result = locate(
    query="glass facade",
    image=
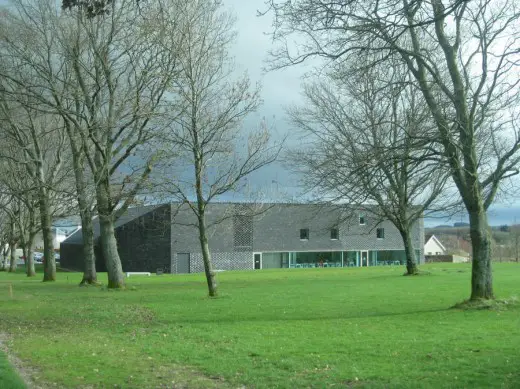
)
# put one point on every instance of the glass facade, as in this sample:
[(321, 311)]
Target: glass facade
[(308, 259), (315, 259)]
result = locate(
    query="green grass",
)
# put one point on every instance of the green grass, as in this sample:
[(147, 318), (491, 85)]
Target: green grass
[(290, 328), (8, 378)]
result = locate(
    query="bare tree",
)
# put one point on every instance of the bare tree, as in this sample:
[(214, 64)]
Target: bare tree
[(4, 236), (21, 206), (212, 156), (4, 246), (367, 146), (515, 229), (462, 55), (13, 244), (106, 77), (11, 237), (38, 143)]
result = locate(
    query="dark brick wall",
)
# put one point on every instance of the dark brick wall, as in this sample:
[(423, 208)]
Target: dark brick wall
[(71, 257), (144, 243)]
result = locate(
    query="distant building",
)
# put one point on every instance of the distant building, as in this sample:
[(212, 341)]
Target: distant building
[(434, 251), (433, 246), (59, 234), (250, 236)]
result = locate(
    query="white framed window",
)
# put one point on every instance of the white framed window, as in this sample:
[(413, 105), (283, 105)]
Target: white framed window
[(334, 233), (380, 233), (304, 234), (362, 220)]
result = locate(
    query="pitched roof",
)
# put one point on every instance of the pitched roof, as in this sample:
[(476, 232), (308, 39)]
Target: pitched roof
[(427, 238), (128, 216)]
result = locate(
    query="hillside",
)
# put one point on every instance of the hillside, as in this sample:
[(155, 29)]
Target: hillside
[(456, 239)]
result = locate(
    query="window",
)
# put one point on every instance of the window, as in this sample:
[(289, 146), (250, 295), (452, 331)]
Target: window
[(304, 234), (361, 219), (380, 233), (334, 233)]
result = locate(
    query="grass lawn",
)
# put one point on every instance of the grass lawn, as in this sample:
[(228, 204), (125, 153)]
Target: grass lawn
[(287, 328), (8, 378)]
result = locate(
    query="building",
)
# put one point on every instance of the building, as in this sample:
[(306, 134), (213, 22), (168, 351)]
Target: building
[(250, 236), (433, 246), (59, 234)]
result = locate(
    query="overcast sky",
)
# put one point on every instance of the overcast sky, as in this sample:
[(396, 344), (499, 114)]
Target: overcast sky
[(279, 89), (282, 88)]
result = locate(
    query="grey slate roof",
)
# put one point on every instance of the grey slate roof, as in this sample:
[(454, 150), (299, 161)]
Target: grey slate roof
[(128, 216)]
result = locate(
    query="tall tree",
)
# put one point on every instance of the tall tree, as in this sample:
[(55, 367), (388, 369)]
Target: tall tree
[(22, 206), (366, 144), (4, 237), (462, 55), (106, 77), (212, 155), (38, 143)]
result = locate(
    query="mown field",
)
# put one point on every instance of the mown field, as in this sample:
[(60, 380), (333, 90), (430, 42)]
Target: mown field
[(288, 328)]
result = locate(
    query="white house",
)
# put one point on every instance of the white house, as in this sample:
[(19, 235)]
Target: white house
[(433, 246)]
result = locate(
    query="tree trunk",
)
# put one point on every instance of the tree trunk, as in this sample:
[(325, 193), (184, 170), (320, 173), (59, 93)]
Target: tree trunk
[(206, 257), (109, 248), (89, 273), (29, 258), (12, 264), (87, 229), (49, 262), (3, 257), (24, 255), (411, 263), (481, 273), (517, 241), (203, 237), (108, 238)]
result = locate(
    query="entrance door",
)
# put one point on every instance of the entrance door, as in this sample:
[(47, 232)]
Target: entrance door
[(258, 260), (364, 258), (183, 263)]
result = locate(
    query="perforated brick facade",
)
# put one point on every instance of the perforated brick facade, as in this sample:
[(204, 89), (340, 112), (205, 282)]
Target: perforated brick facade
[(223, 261)]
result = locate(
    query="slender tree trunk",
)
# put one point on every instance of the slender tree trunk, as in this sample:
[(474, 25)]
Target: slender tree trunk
[(109, 249), (49, 265), (203, 237), (481, 273), (3, 256), (517, 241), (108, 238), (89, 273), (29, 258), (206, 257), (411, 263), (24, 250), (12, 264), (87, 228), (24, 255)]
